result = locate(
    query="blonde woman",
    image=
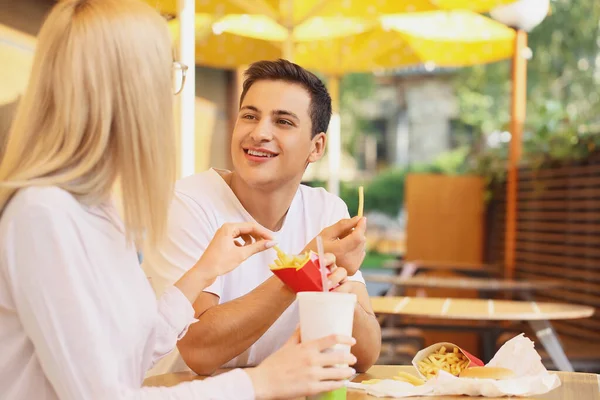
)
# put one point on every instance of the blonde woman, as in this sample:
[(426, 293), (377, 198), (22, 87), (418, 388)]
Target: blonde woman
[(78, 319)]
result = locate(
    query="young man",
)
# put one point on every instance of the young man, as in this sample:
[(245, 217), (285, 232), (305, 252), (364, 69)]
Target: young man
[(249, 313)]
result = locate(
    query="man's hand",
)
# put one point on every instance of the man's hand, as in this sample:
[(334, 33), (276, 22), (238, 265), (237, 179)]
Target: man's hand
[(366, 328), (346, 240), (347, 286)]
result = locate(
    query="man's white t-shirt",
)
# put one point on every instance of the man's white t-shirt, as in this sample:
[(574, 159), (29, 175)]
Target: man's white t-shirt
[(202, 204)]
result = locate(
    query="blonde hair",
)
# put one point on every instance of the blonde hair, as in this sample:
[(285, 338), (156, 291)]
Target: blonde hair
[(98, 112)]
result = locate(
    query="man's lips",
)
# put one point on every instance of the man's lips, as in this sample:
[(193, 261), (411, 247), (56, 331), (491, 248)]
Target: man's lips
[(260, 153)]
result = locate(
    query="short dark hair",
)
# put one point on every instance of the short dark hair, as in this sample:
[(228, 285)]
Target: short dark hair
[(284, 70)]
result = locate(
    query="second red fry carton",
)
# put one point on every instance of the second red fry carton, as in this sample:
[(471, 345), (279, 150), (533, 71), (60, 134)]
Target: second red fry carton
[(430, 358)]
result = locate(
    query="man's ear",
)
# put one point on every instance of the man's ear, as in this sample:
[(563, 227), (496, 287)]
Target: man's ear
[(318, 147)]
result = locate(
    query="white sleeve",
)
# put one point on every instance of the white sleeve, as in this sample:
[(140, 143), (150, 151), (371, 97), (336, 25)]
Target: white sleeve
[(60, 306), (190, 230), (175, 314), (339, 210)]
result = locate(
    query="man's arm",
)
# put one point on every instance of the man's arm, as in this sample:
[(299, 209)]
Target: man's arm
[(225, 331), (346, 239), (366, 329)]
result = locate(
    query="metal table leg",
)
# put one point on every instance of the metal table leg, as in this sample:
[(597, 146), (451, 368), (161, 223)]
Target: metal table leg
[(488, 345), (547, 336)]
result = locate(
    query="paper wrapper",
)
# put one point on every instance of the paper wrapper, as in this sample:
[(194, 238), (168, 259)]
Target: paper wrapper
[(518, 355), (306, 278)]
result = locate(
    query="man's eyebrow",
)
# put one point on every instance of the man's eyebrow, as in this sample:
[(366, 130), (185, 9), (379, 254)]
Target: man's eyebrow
[(251, 108), (285, 112)]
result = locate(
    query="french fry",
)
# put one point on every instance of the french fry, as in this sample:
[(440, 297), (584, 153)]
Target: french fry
[(371, 381), (285, 261), (281, 255), (410, 378), (361, 201), (452, 362)]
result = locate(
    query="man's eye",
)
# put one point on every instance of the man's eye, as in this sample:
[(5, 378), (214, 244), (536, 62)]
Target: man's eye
[(285, 122), (249, 116)]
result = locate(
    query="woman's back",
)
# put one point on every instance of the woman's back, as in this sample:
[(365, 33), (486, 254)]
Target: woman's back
[(67, 274)]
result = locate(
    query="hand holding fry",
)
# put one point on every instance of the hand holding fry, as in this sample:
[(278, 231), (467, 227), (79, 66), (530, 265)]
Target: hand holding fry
[(346, 239)]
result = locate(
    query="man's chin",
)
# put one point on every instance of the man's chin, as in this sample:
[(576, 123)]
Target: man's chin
[(262, 182)]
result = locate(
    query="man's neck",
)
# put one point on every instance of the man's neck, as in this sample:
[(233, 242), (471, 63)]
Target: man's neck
[(268, 207)]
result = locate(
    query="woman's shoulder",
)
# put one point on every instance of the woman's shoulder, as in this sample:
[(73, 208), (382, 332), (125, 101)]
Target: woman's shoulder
[(51, 197), (50, 200)]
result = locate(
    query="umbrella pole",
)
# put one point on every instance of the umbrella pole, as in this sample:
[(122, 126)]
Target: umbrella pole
[(518, 110), (334, 142), (288, 47), (187, 44)]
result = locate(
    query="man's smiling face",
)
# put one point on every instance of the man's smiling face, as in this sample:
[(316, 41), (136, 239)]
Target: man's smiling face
[(271, 142)]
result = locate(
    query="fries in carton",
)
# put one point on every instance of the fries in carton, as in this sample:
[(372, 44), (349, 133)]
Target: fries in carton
[(300, 273), (444, 356), (529, 376)]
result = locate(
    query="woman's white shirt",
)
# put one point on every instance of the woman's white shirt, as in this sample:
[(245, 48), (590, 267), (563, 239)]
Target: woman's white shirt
[(78, 317)]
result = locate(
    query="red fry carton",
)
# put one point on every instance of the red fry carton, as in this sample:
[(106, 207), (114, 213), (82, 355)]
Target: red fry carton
[(303, 278), (428, 351)]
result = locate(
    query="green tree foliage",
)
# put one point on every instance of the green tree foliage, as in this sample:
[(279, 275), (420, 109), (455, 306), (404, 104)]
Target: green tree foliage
[(353, 89), (563, 87)]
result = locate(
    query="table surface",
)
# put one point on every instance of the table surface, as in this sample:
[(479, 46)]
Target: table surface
[(575, 386), (478, 309), (464, 283)]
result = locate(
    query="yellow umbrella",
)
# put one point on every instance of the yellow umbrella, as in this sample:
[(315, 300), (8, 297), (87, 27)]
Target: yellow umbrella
[(336, 46), (289, 22)]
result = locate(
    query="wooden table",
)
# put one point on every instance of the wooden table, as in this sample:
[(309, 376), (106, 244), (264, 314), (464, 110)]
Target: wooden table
[(575, 386), (481, 284), (537, 314), (478, 309)]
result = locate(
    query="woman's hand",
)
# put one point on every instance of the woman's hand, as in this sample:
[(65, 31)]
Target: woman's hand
[(302, 369), (231, 245)]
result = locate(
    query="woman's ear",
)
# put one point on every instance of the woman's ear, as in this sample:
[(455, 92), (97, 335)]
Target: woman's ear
[(318, 147)]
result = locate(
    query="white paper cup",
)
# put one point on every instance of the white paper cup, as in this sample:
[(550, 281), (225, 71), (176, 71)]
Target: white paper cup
[(326, 313)]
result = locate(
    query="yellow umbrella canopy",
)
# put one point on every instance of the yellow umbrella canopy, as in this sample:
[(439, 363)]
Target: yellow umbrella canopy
[(294, 12), (336, 46)]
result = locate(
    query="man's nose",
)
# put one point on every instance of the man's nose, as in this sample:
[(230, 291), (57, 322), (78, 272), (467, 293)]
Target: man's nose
[(263, 131)]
